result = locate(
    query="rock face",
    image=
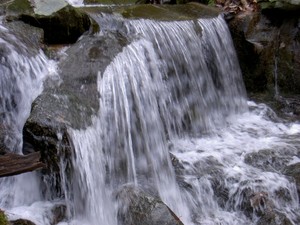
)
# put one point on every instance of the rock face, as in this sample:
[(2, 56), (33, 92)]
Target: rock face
[(138, 207), (268, 47)]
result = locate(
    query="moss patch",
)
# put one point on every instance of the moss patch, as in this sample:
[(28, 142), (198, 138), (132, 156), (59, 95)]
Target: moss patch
[(20, 6), (170, 12), (109, 2), (3, 218)]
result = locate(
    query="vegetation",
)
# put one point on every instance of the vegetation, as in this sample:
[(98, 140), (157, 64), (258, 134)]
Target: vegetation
[(3, 218)]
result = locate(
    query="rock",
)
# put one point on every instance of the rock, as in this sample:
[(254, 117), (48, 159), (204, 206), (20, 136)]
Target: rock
[(21, 222), (69, 102), (280, 4), (169, 12), (211, 168), (48, 7), (207, 167), (109, 2), (269, 160), (294, 172), (268, 47), (18, 7), (62, 27), (61, 23), (59, 213), (31, 36), (138, 207), (274, 217)]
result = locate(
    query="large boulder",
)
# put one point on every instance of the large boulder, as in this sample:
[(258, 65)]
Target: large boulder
[(139, 207), (69, 101)]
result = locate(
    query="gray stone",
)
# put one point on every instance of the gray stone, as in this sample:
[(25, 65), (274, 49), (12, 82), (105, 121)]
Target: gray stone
[(139, 207)]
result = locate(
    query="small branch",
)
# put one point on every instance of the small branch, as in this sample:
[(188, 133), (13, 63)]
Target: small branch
[(12, 164)]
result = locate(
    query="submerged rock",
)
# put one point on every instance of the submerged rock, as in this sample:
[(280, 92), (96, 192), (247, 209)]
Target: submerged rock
[(139, 207), (269, 160), (294, 172), (274, 217)]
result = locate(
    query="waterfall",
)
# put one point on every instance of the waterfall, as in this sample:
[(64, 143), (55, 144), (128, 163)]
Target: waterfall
[(175, 91), (23, 71), (173, 79)]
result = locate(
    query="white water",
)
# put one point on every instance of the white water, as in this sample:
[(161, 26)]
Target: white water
[(176, 87), (22, 76)]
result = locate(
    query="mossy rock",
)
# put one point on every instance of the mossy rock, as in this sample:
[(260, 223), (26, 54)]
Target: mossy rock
[(280, 4), (62, 27), (170, 12), (3, 218), (109, 2), (61, 23), (20, 7), (21, 222)]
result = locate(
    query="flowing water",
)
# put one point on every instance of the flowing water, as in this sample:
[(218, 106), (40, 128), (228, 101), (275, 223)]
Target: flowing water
[(22, 72), (176, 88)]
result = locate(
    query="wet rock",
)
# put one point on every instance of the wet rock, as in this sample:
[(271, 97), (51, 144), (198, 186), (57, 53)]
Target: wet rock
[(280, 4), (59, 213), (69, 101), (211, 168), (62, 27), (31, 36), (274, 217), (294, 172), (138, 207), (268, 159), (61, 23), (268, 47), (169, 12), (109, 2), (21, 222)]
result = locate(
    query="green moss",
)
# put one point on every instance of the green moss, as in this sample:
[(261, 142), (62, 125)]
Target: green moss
[(20, 6), (188, 11), (3, 218), (109, 2)]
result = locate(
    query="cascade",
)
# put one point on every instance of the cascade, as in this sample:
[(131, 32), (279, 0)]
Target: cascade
[(23, 71), (175, 88)]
